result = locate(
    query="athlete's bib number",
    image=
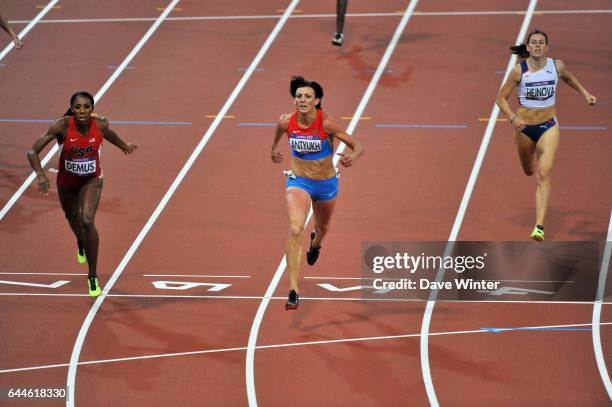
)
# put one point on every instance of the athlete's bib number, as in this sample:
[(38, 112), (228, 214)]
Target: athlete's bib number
[(84, 167)]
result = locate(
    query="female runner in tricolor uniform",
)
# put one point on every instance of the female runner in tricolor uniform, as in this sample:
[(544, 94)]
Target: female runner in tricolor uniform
[(313, 178), (79, 135)]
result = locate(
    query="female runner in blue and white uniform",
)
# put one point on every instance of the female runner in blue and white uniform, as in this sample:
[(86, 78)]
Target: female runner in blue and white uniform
[(312, 179), (536, 131)]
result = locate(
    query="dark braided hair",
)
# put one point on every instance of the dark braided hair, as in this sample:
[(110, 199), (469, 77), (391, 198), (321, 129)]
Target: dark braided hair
[(521, 50), (300, 82), (73, 99)]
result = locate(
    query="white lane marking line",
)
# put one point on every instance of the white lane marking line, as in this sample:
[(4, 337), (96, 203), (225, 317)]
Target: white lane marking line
[(337, 278), (276, 16), (373, 278), (56, 284), (76, 350), (288, 345), (597, 347), (26, 30), (253, 297), (43, 274), (193, 275), (250, 354), (424, 344)]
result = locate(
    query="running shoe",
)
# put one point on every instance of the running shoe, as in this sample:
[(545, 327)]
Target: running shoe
[(81, 254), (94, 287), (313, 252), (538, 233), (293, 301), (337, 40)]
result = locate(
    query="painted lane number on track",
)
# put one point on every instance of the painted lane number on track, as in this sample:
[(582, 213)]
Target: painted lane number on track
[(333, 288), (186, 285)]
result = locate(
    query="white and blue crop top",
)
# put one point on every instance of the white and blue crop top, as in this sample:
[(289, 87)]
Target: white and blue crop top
[(537, 90)]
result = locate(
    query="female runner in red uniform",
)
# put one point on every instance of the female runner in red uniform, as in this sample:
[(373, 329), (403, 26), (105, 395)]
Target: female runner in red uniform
[(79, 180), (312, 179)]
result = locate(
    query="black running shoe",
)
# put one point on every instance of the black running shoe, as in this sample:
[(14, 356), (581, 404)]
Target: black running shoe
[(293, 301), (313, 252), (337, 40)]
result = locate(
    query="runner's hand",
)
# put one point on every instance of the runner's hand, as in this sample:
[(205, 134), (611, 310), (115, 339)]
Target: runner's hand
[(130, 148), (346, 160), (591, 100), (18, 43), (276, 156), (518, 123), (44, 185)]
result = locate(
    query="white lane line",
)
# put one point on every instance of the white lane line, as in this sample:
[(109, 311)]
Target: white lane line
[(347, 278), (373, 278), (292, 344), (250, 354), (603, 275), (534, 281), (193, 275), (26, 30), (76, 350), (253, 297), (179, 178), (43, 274), (56, 284), (324, 15), (424, 344)]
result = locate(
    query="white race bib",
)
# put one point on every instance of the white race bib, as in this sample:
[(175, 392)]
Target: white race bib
[(305, 144), (85, 166)]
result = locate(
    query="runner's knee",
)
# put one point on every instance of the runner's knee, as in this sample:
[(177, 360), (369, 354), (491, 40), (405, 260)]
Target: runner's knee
[(88, 222), (296, 231), (544, 174)]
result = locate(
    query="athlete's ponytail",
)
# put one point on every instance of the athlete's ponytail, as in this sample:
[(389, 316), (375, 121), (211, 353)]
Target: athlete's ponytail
[(84, 94), (521, 50), (300, 82)]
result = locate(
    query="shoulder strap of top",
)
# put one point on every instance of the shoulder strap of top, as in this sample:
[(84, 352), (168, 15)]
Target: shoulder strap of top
[(554, 64), (320, 122), (292, 122), (95, 128)]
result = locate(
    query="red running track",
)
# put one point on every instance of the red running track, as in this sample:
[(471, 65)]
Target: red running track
[(227, 218)]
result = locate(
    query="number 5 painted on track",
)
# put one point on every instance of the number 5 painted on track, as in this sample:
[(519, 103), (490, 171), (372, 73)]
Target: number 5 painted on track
[(186, 285)]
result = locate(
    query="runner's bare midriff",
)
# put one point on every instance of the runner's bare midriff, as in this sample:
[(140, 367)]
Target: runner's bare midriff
[(313, 169), (536, 116)]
